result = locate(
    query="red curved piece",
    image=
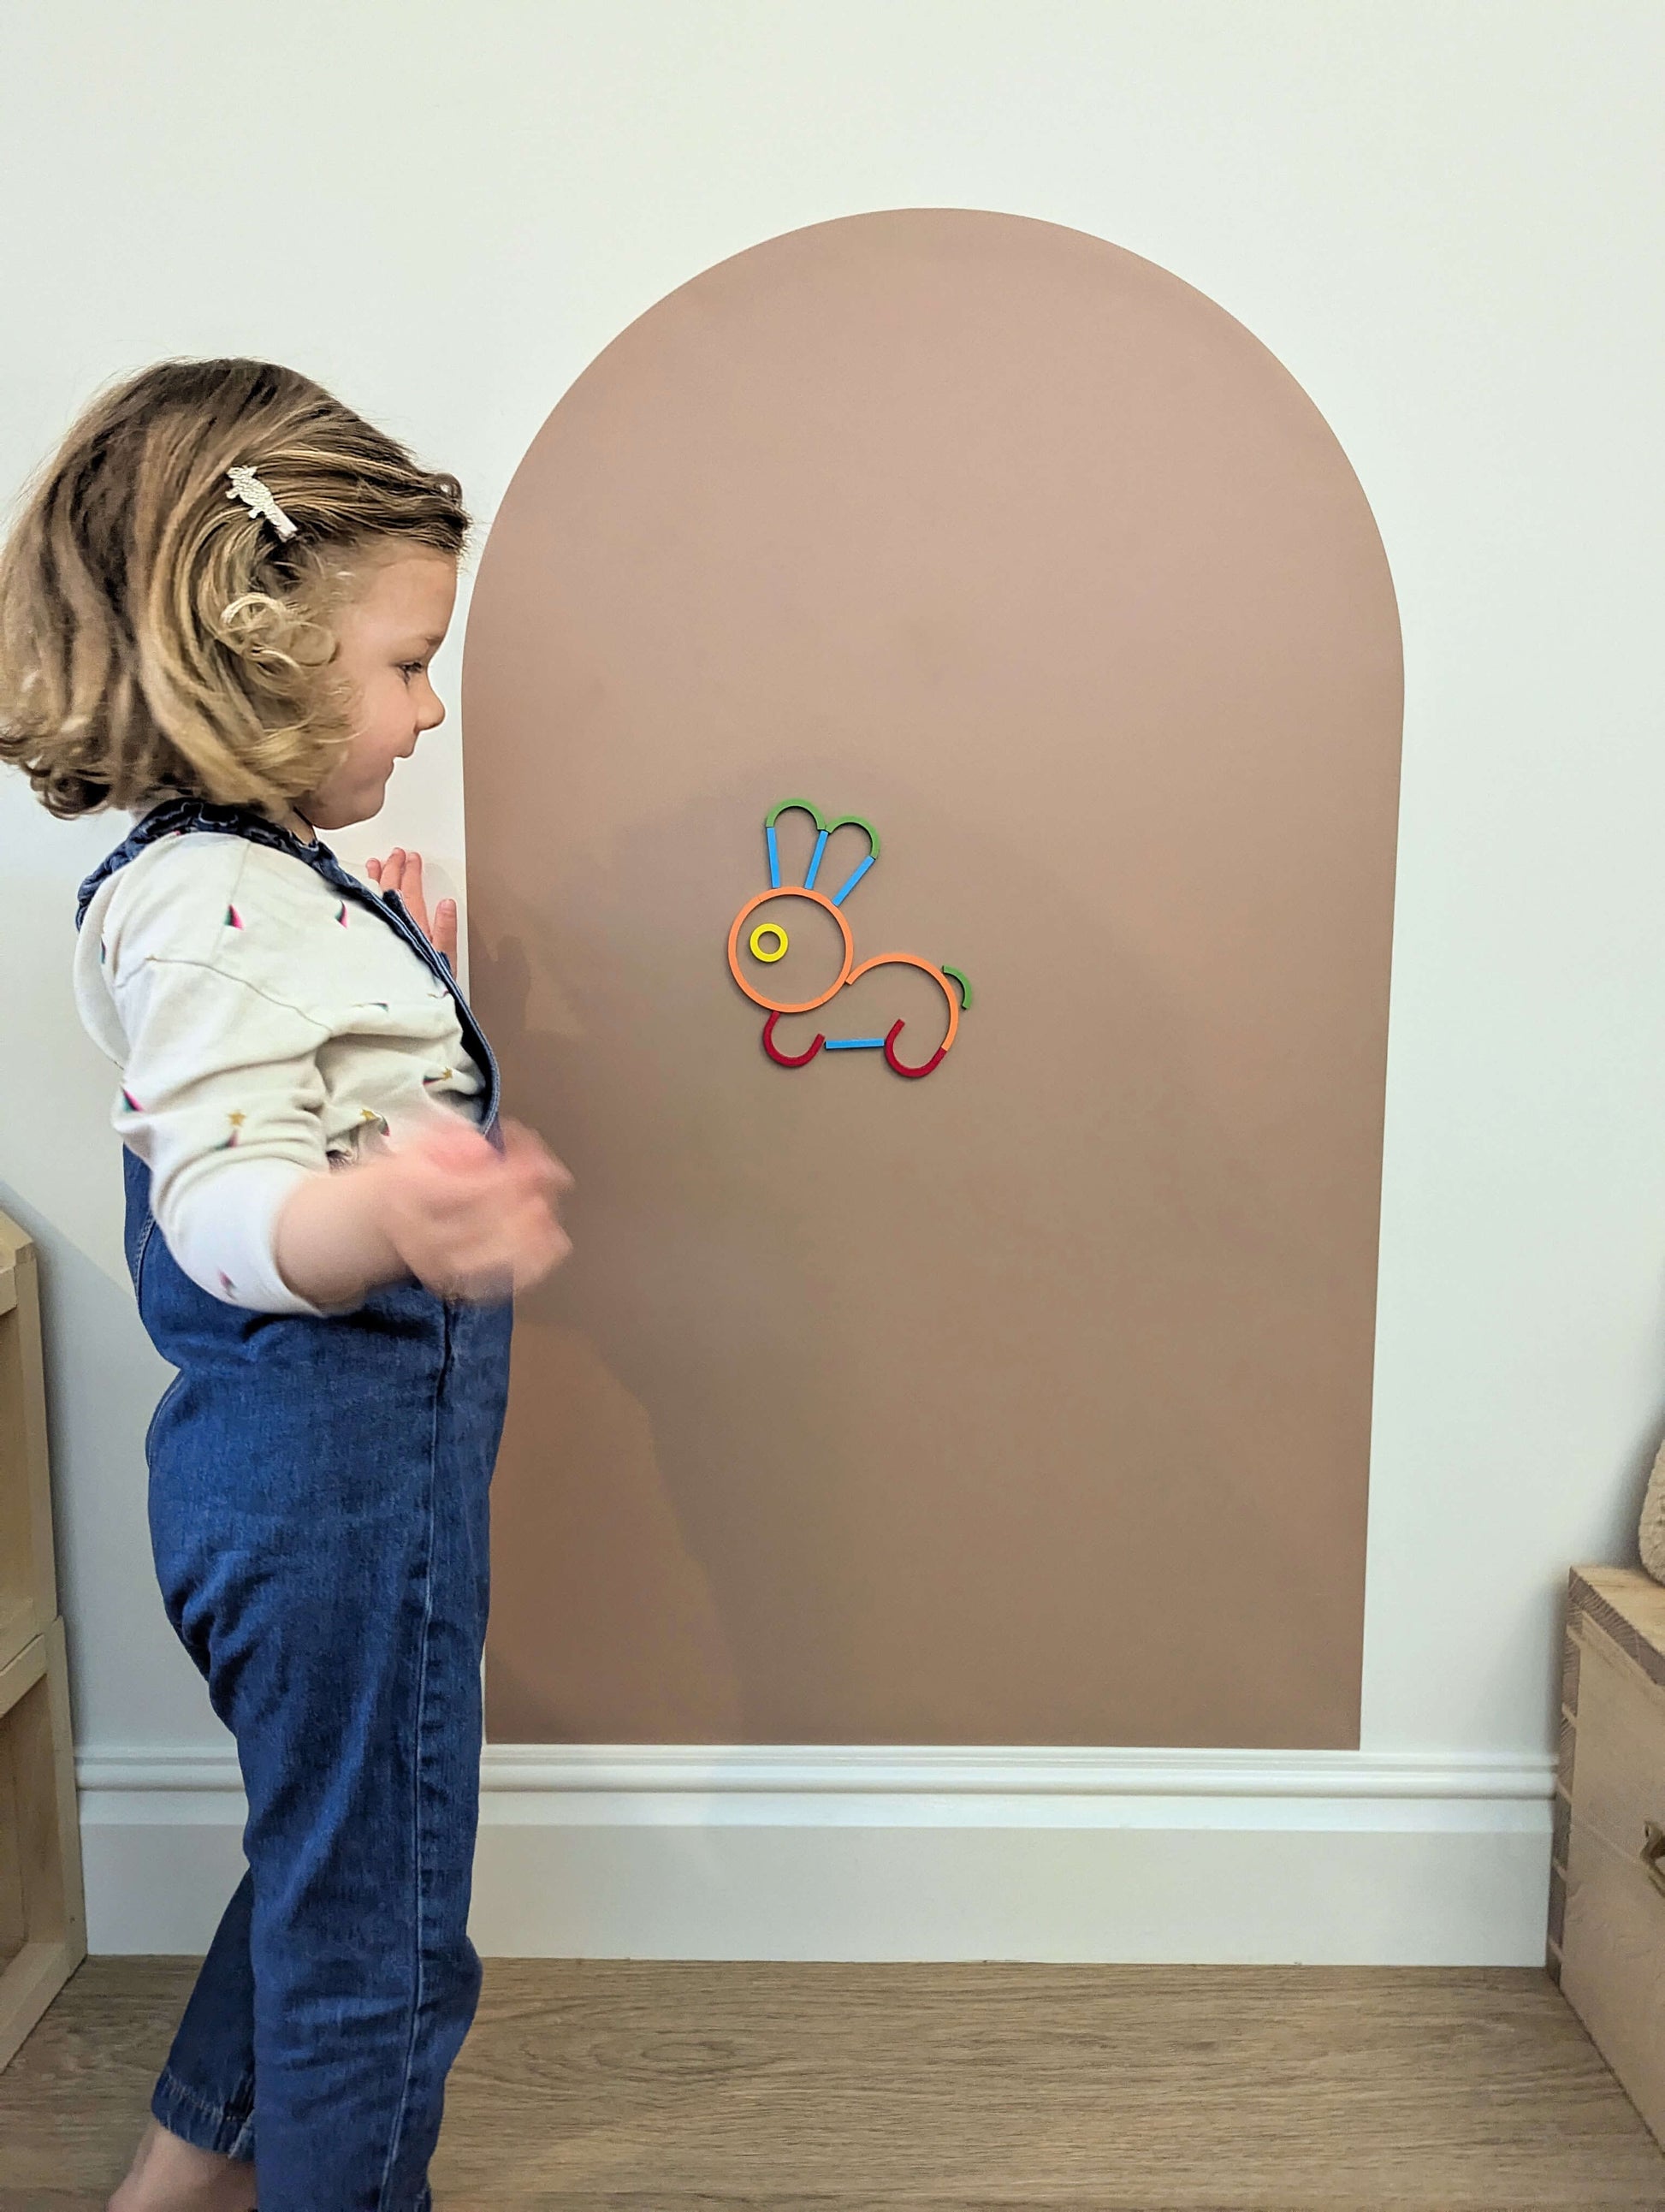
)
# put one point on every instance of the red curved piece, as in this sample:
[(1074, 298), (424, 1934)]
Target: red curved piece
[(801, 1059), (901, 1067)]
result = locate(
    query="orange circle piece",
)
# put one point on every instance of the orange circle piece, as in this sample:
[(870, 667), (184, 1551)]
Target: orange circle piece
[(774, 1005)]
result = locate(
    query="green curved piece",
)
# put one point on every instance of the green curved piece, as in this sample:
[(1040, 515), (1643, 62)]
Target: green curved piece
[(803, 806), (965, 987), (854, 822)]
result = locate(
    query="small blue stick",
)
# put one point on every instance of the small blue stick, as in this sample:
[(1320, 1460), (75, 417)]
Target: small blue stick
[(853, 1044), (815, 861), (839, 897), (774, 857)]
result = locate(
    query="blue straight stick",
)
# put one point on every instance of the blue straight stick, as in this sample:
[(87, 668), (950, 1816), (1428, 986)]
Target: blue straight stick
[(853, 1044), (815, 861), (774, 857), (854, 878)]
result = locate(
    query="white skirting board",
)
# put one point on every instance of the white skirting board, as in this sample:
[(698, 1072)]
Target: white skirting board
[(657, 1851)]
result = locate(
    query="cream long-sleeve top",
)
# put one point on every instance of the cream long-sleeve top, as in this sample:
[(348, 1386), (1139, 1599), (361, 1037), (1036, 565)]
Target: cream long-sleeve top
[(266, 1029)]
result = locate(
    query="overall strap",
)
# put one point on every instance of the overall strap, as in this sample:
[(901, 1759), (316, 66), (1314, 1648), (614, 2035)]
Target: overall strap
[(172, 818), (180, 818)]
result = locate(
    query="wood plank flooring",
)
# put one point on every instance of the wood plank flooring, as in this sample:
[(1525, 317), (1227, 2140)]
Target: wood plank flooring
[(648, 2088)]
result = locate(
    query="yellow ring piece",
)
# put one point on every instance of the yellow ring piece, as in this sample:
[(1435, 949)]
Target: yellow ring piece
[(769, 929)]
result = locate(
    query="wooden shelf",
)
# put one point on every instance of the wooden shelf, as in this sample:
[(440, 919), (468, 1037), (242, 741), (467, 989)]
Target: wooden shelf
[(1607, 1913), (43, 1928), (43, 1920), (28, 1587)]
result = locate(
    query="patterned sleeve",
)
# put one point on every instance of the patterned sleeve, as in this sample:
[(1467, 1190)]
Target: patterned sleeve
[(220, 1096)]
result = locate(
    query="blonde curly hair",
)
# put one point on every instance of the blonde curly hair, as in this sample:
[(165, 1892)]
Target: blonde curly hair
[(155, 635)]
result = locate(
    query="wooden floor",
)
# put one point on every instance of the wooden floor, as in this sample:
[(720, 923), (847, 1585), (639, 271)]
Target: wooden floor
[(830, 2088)]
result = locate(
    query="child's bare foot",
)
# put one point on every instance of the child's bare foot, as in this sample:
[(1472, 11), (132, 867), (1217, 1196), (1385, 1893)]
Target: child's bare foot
[(168, 2175)]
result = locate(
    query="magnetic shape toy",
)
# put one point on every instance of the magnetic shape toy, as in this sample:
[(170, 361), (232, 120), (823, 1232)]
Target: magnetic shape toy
[(952, 999), (901, 1067), (786, 1059), (854, 822), (775, 1006), (852, 879), (790, 806), (957, 994)]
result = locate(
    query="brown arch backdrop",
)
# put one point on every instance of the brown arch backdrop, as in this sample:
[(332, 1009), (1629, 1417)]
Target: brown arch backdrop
[(1029, 1402)]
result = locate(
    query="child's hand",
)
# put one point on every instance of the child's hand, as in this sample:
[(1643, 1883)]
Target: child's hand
[(401, 872), (466, 1220)]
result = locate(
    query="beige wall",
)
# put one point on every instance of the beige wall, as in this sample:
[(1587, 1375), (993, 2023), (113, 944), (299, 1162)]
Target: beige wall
[(1029, 1402)]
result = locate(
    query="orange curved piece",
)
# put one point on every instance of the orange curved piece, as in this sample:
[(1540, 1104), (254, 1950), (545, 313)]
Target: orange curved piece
[(931, 968), (809, 1006)]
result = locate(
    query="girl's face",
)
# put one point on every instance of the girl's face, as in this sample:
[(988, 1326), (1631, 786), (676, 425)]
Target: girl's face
[(387, 636)]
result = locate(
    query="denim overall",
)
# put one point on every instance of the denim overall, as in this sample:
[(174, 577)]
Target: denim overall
[(319, 1518)]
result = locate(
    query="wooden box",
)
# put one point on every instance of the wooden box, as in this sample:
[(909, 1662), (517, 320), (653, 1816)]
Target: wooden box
[(1607, 1906), (43, 1935)]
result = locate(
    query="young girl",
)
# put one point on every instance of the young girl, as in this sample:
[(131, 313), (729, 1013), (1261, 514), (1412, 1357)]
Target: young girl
[(217, 612)]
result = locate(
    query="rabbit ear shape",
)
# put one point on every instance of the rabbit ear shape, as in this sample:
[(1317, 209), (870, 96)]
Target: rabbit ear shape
[(846, 822), (789, 806)]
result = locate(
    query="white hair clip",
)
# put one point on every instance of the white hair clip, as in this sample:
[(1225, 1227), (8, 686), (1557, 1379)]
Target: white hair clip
[(257, 497)]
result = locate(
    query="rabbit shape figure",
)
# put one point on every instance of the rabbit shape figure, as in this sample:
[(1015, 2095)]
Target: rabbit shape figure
[(767, 942)]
